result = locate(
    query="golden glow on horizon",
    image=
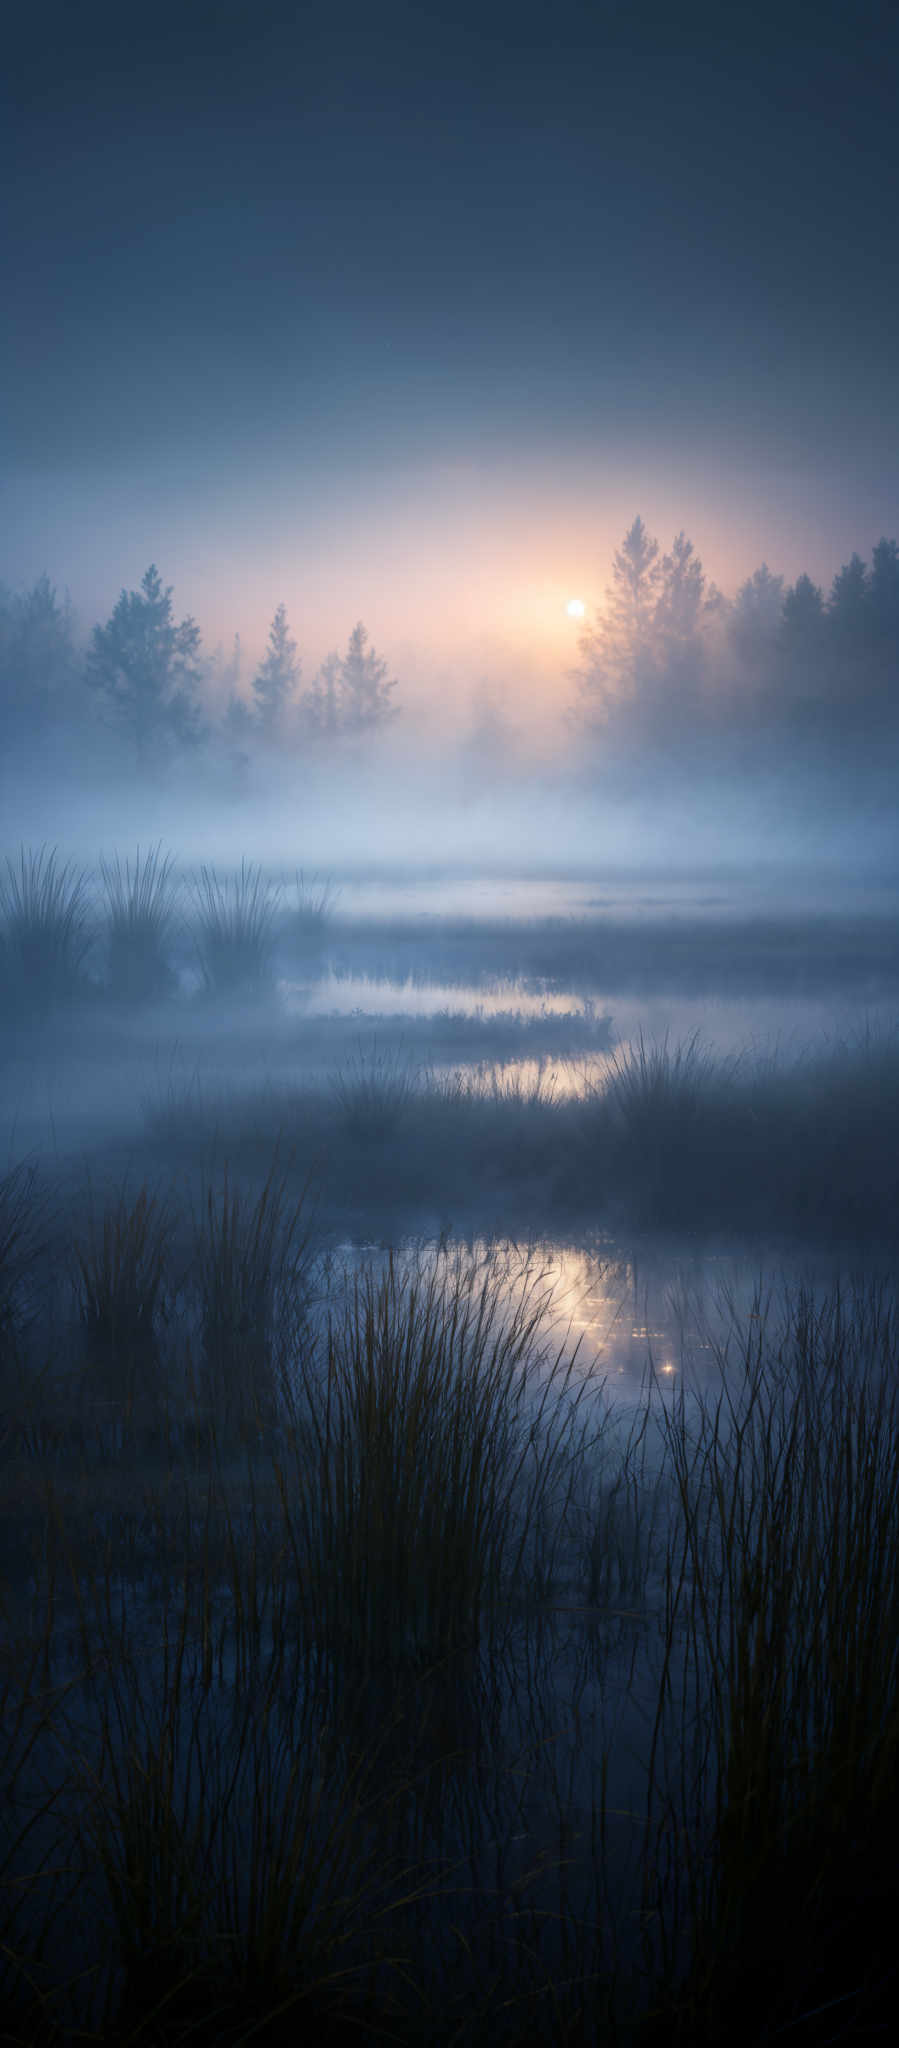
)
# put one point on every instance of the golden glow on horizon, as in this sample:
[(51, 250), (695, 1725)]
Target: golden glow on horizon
[(465, 581)]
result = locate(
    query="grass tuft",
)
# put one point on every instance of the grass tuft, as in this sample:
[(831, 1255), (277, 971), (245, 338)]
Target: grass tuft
[(234, 929), (139, 915), (228, 1845), (664, 1118), (783, 1737), (122, 1272), (253, 1263), (433, 1436), (314, 905), (648, 1088), (22, 1224), (44, 922), (373, 1091)]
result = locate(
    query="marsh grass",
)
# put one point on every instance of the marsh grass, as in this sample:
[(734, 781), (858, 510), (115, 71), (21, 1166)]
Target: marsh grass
[(45, 930), (648, 1084), (432, 1442), (123, 1282), (24, 1226), (300, 1737), (36, 1875), (26, 1230), (783, 1594), (533, 1089), (620, 1528), (373, 1091), (311, 916), (216, 1861), (666, 1136), (234, 927), (662, 1116), (253, 1263), (139, 911), (202, 1924)]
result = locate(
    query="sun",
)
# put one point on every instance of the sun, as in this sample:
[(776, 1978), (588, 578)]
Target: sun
[(576, 608)]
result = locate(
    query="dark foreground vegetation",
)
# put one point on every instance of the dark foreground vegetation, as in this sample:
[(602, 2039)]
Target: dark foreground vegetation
[(362, 1669)]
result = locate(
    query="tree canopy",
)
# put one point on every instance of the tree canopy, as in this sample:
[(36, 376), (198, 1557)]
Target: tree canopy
[(146, 670), (276, 680)]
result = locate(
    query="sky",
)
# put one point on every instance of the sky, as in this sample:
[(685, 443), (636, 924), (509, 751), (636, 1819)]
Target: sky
[(403, 312)]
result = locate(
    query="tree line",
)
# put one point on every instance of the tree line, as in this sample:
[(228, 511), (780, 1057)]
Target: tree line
[(145, 676), (670, 662), (669, 665)]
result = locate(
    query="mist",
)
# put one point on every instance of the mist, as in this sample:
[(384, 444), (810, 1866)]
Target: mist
[(696, 730), (449, 1024)]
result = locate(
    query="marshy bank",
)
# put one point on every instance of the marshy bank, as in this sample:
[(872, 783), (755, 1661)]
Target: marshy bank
[(450, 1579), (677, 1069)]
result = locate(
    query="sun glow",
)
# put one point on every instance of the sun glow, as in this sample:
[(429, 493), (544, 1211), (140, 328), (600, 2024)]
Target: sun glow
[(576, 608)]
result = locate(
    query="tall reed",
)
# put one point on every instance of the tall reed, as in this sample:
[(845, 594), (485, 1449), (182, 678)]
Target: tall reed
[(44, 926), (139, 907), (23, 1226), (782, 1764), (252, 1263), (122, 1270), (310, 919), (372, 1091), (434, 1438), (234, 929)]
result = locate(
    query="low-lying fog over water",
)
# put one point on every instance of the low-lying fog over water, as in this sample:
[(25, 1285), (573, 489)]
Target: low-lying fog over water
[(596, 1061), (449, 1024)]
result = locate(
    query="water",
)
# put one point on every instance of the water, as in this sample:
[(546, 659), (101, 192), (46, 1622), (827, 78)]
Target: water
[(468, 969), (406, 963)]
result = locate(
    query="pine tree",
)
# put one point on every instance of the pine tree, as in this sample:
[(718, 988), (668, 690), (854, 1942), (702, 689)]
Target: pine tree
[(147, 669), (275, 683), (38, 663), (617, 652), (678, 610), (320, 707), (756, 616), (363, 685), (885, 592), (849, 607), (803, 614)]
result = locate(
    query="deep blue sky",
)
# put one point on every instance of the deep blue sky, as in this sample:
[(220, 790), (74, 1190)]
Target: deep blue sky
[(406, 310)]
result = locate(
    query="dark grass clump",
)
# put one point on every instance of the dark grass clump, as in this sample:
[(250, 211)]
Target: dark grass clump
[(373, 1091), (433, 1435), (310, 918), (253, 1262), (822, 1134), (234, 930), (197, 1855), (325, 1752), (648, 1087), (235, 1870), (45, 930), (23, 1225), (677, 1135), (25, 1231), (662, 1122), (139, 906), (122, 1270), (782, 1763)]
